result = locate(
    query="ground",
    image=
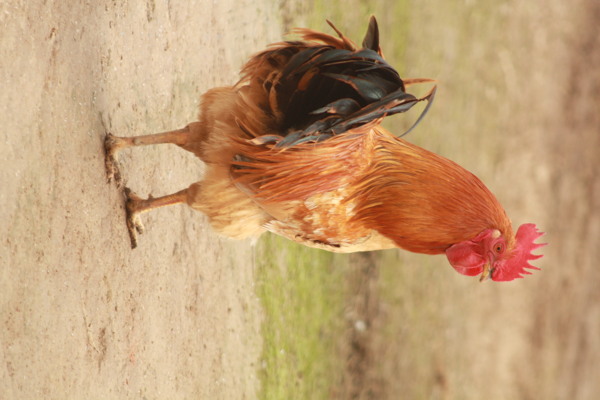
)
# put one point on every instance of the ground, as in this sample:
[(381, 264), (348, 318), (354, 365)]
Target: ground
[(84, 316)]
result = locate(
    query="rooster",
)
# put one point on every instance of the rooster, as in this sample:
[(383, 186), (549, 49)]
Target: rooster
[(296, 148)]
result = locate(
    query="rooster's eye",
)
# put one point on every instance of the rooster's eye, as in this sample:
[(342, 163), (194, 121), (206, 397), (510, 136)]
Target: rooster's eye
[(499, 248)]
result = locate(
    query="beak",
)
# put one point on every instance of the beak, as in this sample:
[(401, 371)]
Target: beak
[(487, 272)]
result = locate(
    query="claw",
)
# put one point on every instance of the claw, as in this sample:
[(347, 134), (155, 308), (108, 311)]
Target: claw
[(111, 146), (134, 223)]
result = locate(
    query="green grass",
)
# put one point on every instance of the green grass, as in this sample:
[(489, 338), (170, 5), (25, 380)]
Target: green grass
[(302, 293)]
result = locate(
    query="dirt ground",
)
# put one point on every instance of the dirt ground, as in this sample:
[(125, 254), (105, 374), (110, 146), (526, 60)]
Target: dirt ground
[(84, 316), (81, 314)]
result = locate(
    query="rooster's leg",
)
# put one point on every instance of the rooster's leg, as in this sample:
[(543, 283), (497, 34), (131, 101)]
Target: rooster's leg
[(113, 144), (136, 205)]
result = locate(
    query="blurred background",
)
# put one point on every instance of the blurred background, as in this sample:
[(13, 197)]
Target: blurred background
[(519, 105)]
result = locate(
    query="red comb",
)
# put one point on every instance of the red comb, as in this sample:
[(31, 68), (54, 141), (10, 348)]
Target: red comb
[(515, 266)]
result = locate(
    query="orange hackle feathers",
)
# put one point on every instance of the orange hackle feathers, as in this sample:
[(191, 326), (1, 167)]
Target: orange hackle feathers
[(421, 201)]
